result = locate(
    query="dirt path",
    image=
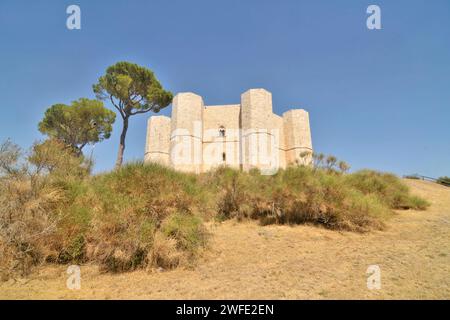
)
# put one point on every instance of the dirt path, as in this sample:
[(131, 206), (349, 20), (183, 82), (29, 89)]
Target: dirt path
[(247, 261)]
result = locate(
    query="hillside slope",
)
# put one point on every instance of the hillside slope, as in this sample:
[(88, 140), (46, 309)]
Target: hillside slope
[(247, 261)]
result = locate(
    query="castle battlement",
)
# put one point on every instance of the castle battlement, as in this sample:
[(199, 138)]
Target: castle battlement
[(197, 138)]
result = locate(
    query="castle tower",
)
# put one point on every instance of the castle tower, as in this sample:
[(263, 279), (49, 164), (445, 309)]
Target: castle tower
[(186, 132), (297, 136), (257, 142), (157, 146)]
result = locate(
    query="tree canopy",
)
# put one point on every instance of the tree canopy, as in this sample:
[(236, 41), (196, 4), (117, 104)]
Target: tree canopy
[(132, 89), (83, 122)]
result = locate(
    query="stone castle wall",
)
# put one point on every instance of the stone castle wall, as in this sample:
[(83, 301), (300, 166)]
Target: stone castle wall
[(214, 145), (248, 135), (158, 140)]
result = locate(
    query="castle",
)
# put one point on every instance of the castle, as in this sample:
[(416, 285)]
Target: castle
[(248, 135)]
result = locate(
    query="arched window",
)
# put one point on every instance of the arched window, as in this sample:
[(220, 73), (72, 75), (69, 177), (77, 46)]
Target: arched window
[(221, 131)]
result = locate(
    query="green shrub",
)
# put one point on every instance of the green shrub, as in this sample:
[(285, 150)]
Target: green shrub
[(75, 251), (358, 202), (412, 177), (444, 180), (53, 156), (186, 229), (134, 204), (387, 187)]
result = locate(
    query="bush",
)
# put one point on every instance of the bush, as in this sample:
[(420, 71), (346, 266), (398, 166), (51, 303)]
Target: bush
[(137, 213), (357, 202), (140, 216), (299, 195), (444, 180), (387, 187), (164, 253), (27, 222), (186, 229), (53, 156), (10, 154), (412, 177), (29, 218)]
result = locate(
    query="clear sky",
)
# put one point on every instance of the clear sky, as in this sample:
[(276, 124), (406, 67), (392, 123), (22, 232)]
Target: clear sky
[(377, 98)]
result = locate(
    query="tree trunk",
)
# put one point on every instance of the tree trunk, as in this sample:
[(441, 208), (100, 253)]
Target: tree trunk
[(122, 143)]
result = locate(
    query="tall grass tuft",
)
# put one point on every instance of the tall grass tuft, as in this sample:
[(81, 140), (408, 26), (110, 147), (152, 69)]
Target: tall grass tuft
[(299, 195), (387, 187)]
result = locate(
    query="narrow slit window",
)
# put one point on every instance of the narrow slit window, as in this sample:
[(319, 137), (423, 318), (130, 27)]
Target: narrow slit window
[(224, 157), (222, 132)]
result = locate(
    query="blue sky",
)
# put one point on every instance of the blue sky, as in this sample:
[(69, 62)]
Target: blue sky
[(377, 98)]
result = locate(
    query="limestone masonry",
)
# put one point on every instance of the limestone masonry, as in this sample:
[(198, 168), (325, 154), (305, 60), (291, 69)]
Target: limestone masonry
[(247, 135)]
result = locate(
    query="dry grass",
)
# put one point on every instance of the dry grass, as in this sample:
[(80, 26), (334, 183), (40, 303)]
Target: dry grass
[(360, 201), (249, 261), (123, 220), (150, 216)]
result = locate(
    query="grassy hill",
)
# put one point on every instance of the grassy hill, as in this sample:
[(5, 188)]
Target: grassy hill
[(149, 216), (245, 260)]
